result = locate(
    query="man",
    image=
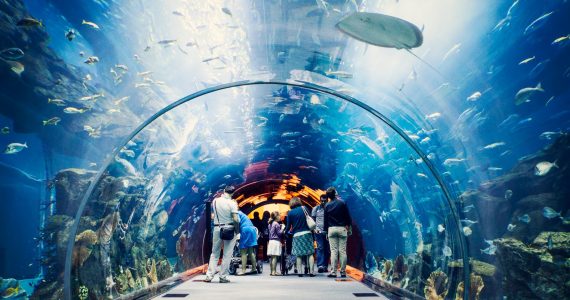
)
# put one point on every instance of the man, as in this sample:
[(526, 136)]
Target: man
[(225, 212), (338, 225), (323, 251)]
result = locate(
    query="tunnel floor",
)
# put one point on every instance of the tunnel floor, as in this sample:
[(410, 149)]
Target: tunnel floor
[(263, 286)]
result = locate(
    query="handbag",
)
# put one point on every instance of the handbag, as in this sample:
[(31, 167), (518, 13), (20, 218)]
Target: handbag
[(310, 222), (226, 231)]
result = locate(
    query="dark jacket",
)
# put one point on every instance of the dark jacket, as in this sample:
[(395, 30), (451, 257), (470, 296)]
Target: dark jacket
[(296, 221), (336, 214)]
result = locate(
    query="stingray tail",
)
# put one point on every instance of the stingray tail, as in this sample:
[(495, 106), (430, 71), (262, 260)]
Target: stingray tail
[(427, 64)]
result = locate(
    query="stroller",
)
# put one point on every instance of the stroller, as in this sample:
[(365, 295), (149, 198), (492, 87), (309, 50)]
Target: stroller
[(235, 262)]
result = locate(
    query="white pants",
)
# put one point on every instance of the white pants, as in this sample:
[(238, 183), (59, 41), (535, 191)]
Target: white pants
[(217, 244), (337, 240)]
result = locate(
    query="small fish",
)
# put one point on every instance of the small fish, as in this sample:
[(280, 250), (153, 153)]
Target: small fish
[(144, 74), (511, 227), (90, 24), (73, 110), (561, 39), (549, 243), (121, 100), (440, 228), (425, 140), (129, 153), (5, 130), (70, 35), (92, 60), (113, 111), (489, 250), (227, 11), (29, 22), (57, 102), (446, 251), (91, 97), (433, 116), (15, 148), (494, 169), (524, 94), (12, 53), (467, 231), (81, 53), (177, 13), (167, 42), (542, 168), (453, 161), (474, 97), (549, 100), (422, 175), (454, 49), (92, 165), (527, 60), (508, 195), (122, 67), (468, 208), (339, 74), (537, 23), (53, 121), (548, 135), (524, 218), (550, 213), (494, 145), (468, 222)]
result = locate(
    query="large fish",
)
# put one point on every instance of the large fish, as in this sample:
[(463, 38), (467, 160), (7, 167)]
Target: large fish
[(381, 30)]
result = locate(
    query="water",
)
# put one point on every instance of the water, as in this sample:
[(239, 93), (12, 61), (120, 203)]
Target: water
[(145, 214)]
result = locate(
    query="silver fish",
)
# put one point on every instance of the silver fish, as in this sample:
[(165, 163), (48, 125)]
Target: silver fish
[(550, 213), (543, 167), (524, 218), (524, 94)]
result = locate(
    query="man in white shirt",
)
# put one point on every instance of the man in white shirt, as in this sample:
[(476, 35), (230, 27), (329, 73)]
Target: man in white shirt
[(225, 212)]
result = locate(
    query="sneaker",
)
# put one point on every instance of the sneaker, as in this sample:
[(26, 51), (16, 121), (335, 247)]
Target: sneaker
[(332, 275), (343, 275), (208, 279), (322, 270), (224, 280), (312, 275), (300, 275)]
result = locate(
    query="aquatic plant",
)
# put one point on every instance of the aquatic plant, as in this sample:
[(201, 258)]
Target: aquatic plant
[(436, 286), (476, 287)]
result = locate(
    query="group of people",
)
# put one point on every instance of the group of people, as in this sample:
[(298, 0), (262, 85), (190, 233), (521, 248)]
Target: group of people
[(329, 224)]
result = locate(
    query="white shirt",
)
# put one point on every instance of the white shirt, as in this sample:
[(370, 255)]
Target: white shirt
[(224, 206)]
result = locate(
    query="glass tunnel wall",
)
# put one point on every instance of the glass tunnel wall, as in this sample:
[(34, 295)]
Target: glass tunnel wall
[(151, 197), (505, 158)]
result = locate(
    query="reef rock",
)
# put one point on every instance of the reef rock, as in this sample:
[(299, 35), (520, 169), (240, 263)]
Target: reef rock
[(476, 286), (436, 286), (477, 267), (534, 271), (70, 187)]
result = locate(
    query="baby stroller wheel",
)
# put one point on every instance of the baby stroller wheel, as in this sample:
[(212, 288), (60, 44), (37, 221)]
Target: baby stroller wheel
[(233, 269), (259, 267)]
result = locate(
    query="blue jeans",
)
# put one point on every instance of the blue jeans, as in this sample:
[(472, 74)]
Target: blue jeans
[(323, 251)]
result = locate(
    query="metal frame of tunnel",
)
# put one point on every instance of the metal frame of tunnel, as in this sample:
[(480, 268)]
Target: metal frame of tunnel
[(299, 84)]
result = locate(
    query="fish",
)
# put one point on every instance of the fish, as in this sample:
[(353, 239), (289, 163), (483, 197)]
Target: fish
[(91, 97), (113, 110), (468, 208), (29, 22), (549, 243), (16, 67), (524, 94), (550, 213), (453, 161), (144, 74), (52, 121), (92, 60), (73, 110), (539, 22), (90, 24), (122, 67), (561, 39), (121, 100), (440, 228), (57, 102), (5, 130), (474, 97), (542, 168), (467, 231), (506, 21), (454, 49), (549, 100), (422, 175), (227, 11), (494, 145), (507, 152), (494, 169), (489, 250), (548, 135), (13, 148), (12, 53), (468, 222), (524, 218), (167, 42), (527, 60), (509, 121), (129, 153), (447, 251), (70, 35), (508, 194), (433, 116), (339, 74), (177, 13), (511, 227), (425, 140)]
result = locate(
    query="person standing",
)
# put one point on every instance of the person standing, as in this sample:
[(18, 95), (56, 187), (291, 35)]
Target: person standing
[(338, 225), (247, 243), (225, 214), (323, 250), (297, 225), (274, 246)]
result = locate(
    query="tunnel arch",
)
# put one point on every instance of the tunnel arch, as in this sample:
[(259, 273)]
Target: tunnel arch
[(299, 84)]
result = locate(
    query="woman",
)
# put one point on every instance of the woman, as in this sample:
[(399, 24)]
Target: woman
[(303, 247), (274, 246), (247, 242)]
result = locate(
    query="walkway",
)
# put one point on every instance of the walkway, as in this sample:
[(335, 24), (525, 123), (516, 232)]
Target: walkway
[(263, 286)]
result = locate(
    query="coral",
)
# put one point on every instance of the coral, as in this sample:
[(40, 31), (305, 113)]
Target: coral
[(400, 269), (83, 292), (83, 246), (386, 269), (436, 286), (130, 280), (163, 270), (151, 271), (477, 286)]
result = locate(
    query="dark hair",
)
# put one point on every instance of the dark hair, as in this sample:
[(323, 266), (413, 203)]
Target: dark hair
[(230, 189), (331, 193), (295, 202), (323, 198)]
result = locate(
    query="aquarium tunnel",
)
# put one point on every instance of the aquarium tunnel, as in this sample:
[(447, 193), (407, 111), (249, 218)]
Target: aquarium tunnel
[(442, 124)]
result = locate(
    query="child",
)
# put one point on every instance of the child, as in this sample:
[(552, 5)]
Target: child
[(274, 246)]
